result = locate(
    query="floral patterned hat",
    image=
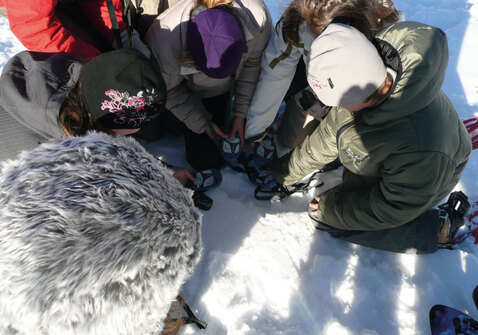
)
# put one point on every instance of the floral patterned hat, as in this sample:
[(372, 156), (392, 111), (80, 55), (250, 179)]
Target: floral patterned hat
[(122, 89)]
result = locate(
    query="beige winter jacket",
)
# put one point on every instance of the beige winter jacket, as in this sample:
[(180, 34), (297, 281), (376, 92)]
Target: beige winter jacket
[(167, 39)]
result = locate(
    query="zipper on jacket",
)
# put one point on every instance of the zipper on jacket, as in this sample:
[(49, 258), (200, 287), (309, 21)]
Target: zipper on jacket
[(342, 129), (337, 163)]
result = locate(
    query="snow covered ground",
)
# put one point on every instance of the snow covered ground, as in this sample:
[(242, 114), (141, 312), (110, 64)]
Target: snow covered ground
[(265, 270)]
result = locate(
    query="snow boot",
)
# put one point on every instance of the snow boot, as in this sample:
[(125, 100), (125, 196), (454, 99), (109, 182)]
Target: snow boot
[(451, 217), (231, 149), (263, 178), (206, 180), (264, 153)]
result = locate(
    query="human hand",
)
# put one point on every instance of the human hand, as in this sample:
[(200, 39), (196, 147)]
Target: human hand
[(238, 127), (314, 205), (218, 131), (184, 176)]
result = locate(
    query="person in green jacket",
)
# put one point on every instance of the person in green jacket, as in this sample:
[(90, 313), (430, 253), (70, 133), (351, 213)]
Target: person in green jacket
[(398, 136)]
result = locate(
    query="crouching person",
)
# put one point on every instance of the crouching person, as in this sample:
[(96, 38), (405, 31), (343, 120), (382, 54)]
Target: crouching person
[(55, 95), (399, 138), (96, 237)]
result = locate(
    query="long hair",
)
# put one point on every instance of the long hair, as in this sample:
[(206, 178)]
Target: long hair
[(367, 16), (75, 119)]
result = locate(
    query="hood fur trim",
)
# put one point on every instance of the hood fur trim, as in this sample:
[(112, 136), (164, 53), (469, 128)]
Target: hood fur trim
[(96, 237)]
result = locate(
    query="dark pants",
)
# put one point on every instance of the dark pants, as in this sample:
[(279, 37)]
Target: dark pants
[(419, 235), (299, 82), (201, 152)]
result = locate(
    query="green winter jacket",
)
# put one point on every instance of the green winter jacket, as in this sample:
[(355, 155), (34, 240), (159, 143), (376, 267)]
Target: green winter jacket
[(401, 157)]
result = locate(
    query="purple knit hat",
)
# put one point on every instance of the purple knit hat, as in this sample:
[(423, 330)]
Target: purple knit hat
[(216, 42)]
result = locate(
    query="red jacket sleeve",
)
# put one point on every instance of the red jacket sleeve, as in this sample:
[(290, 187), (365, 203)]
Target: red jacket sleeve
[(97, 12), (34, 23)]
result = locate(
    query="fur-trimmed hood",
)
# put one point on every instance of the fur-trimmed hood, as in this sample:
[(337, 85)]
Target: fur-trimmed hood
[(96, 237)]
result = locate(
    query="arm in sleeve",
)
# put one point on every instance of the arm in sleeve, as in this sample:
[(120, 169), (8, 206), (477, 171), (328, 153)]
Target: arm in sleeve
[(180, 100), (34, 23), (279, 63), (247, 79), (407, 188), (182, 103), (318, 150), (97, 12)]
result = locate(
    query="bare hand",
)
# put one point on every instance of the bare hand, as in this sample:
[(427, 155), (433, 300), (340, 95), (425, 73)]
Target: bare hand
[(238, 127), (184, 176), (218, 130), (314, 204)]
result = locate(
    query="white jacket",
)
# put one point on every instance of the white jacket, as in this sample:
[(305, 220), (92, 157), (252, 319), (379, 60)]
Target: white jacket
[(279, 63), (167, 39)]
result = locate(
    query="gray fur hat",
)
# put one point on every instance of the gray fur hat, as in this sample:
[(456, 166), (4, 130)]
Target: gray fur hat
[(96, 237)]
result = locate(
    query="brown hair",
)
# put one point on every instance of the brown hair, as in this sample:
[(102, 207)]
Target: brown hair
[(365, 15), (74, 118), (380, 92), (173, 321), (212, 3), (187, 60)]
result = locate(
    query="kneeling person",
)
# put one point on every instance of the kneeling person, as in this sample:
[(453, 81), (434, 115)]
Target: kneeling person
[(399, 138)]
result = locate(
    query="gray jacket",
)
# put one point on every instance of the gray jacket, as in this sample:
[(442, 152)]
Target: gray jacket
[(33, 86), (167, 40)]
